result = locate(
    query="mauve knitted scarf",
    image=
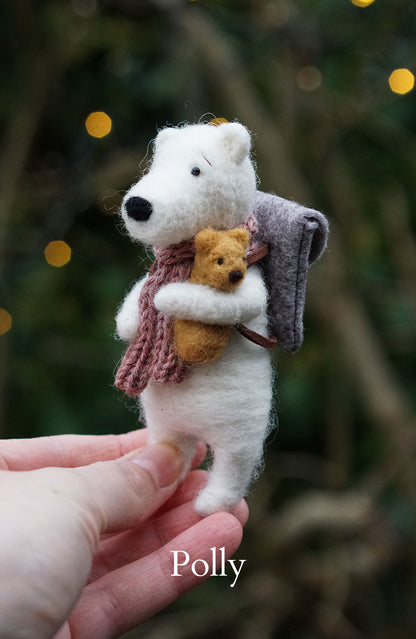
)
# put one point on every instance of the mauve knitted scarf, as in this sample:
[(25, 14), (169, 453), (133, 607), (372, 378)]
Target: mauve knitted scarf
[(152, 354)]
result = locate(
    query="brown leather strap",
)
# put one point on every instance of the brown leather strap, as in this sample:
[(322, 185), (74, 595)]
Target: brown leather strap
[(266, 342), (256, 338)]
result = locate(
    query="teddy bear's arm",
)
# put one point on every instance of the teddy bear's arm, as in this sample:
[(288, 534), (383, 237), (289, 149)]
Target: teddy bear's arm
[(127, 319), (184, 300)]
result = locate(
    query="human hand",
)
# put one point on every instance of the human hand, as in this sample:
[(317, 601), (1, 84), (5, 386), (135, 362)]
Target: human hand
[(85, 545)]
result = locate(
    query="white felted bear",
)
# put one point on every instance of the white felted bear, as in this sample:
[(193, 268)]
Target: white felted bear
[(201, 176)]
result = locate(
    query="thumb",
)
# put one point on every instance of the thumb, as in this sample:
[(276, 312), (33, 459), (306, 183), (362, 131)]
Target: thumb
[(123, 493)]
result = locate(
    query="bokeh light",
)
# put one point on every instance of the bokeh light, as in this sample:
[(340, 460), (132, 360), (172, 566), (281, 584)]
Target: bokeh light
[(401, 81), (98, 124), (57, 253), (362, 3), (5, 321), (218, 121), (309, 78)]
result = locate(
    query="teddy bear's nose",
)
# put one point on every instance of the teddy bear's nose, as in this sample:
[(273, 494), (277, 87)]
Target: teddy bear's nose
[(138, 208), (235, 276)]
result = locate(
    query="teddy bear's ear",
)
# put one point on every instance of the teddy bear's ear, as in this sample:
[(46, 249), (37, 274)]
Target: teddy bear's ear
[(205, 240), (163, 135), (235, 140), (241, 235)]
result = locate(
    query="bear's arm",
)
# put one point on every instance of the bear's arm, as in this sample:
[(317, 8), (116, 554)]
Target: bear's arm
[(184, 300), (127, 318)]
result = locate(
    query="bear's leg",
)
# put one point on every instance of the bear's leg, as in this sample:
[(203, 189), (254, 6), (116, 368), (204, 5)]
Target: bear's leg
[(198, 343), (228, 479)]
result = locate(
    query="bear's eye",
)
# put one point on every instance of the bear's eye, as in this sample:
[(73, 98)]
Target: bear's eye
[(244, 259), (195, 171), (220, 261)]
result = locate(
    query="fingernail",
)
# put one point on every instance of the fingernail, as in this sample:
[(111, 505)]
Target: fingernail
[(162, 461)]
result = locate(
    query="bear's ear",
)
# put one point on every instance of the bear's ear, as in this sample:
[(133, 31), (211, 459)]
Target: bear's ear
[(235, 140), (163, 135), (205, 240), (241, 235)]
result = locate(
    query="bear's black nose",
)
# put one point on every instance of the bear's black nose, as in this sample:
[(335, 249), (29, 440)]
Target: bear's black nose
[(235, 276), (138, 208)]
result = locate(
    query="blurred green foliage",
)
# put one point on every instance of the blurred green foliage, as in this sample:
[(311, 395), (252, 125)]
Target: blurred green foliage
[(310, 79)]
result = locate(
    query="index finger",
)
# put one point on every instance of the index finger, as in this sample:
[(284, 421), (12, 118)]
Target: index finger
[(67, 451)]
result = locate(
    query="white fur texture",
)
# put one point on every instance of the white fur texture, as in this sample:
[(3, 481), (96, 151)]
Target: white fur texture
[(127, 319), (225, 403), (209, 305), (222, 195)]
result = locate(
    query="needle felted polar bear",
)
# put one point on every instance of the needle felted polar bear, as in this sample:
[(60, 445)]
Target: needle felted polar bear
[(201, 176)]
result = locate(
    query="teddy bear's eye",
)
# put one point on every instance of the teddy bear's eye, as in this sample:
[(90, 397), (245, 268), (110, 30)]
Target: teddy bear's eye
[(195, 171), (220, 261), (244, 259)]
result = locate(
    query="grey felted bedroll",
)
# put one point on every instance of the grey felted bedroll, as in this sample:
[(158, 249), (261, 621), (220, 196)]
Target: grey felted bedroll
[(297, 237)]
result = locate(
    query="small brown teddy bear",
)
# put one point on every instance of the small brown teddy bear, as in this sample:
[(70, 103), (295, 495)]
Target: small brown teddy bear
[(220, 262)]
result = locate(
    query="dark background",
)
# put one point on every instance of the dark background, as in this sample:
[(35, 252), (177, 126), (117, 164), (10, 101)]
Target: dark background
[(330, 546)]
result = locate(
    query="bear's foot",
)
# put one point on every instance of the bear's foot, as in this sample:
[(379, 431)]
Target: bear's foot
[(211, 501)]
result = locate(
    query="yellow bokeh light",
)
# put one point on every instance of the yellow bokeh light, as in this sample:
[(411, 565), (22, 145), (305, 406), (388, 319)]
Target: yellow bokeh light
[(5, 321), (401, 81), (57, 253), (98, 124), (362, 3), (218, 121)]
